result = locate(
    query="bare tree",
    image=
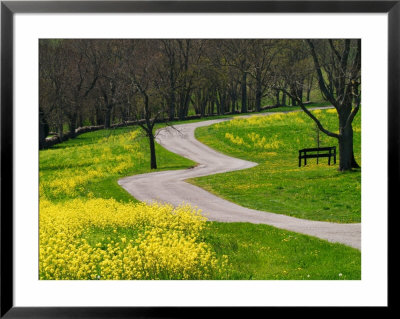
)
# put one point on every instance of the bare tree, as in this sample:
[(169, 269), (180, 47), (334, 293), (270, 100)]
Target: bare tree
[(53, 68), (261, 56), (83, 73), (337, 65), (143, 61)]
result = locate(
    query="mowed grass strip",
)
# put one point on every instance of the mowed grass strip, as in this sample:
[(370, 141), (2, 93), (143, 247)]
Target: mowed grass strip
[(277, 184), (265, 252)]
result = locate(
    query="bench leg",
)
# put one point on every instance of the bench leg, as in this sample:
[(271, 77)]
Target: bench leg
[(329, 158), (299, 161)]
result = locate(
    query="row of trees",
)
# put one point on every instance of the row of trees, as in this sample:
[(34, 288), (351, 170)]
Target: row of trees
[(100, 82)]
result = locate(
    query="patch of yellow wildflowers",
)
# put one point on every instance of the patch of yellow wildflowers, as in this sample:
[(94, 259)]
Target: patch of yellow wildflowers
[(234, 139), (168, 246), (103, 158)]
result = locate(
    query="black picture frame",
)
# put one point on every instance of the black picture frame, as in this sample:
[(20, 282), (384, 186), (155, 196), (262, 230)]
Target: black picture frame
[(9, 8)]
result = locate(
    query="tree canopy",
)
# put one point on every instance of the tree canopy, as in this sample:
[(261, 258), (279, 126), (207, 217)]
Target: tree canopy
[(105, 81)]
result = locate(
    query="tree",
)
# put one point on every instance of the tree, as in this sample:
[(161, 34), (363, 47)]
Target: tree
[(168, 72), (261, 55), (337, 64), (341, 88), (100, 80), (53, 68), (81, 78), (110, 84), (236, 54), (143, 60), (43, 129)]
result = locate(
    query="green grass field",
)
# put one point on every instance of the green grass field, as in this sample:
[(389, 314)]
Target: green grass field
[(91, 164), (277, 184), (265, 252), (87, 169)]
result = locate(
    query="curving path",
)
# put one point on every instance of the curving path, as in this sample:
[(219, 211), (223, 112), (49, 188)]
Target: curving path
[(170, 187)]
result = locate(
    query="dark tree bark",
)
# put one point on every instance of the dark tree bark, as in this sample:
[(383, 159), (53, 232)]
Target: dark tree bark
[(277, 97), (244, 92), (341, 90), (153, 160), (99, 116), (345, 141), (43, 129), (72, 125), (60, 131), (148, 127), (258, 92), (284, 99), (107, 117)]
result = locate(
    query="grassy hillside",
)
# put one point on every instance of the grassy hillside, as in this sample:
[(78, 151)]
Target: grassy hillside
[(277, 184), (90, 228)]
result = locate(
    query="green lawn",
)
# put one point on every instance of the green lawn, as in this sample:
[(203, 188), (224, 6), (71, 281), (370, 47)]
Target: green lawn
[(103, 156), (265, 252), (277, 184), (90, 165)]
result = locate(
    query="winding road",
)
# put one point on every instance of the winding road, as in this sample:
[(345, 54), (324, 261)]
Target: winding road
[(170, 187)]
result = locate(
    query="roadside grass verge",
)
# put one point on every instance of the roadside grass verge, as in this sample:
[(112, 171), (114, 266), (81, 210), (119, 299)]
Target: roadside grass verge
[(277, 184), (265, 252)]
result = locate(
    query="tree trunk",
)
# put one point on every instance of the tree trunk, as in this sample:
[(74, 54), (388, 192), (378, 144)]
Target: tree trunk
[(203, 108), (172, 105), (72, 125), (346, 149), (80, 120), (60, 131), (346, 152), (284, 99), (212, 106), (42, 130), (99, 117), (277, 98), (92, 119), (308, 95), (294, 102), (112, 116), (187, 102), (258, 91), (244, 92), (217, 101), (107, 118), (258, 97), (153, 162), (354, 163)]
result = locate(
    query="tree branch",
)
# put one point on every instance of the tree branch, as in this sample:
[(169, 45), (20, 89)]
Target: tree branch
[(353, 113), (321, 81), (319, 124)]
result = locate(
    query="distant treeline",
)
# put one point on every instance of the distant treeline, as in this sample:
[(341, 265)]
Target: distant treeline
[(96, 83)]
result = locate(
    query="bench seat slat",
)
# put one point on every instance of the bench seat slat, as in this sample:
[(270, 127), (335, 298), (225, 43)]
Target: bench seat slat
[(317, 149), (315, 155)]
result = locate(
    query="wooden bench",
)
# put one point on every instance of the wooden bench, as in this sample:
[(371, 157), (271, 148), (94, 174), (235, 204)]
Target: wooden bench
[(317, 153)]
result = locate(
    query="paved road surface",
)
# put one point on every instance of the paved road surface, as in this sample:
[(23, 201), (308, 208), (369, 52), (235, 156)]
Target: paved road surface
[(170, 187)]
